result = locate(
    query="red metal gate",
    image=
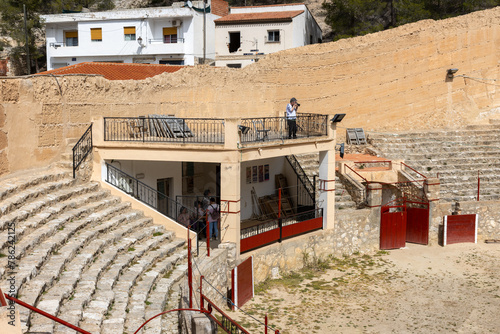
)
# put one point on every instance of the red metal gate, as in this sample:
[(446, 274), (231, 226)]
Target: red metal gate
[(404, 220), (393, 225), (460, 228), (242, 283)]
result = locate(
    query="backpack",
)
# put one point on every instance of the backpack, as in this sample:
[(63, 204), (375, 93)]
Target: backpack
[(215, 215)]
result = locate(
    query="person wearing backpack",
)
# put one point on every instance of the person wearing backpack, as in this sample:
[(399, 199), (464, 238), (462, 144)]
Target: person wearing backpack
[(213, 214)]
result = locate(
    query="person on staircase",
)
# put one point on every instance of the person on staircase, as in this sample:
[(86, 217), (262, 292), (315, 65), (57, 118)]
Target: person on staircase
[(213, 215)]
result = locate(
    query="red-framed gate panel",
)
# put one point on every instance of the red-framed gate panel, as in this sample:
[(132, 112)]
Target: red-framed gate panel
[(393, 230), (417, 225), (242, 283), (460, 228)]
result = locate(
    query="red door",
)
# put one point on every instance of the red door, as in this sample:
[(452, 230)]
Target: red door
[(460, 228), (393, 229), (242, 283), (417, 225)]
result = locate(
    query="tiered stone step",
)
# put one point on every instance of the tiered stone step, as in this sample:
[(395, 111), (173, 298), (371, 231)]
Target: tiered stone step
[(454, 156), (80, 252), (310, 164)]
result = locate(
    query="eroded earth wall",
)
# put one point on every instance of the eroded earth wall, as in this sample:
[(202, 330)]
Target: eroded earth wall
[(389, 81)]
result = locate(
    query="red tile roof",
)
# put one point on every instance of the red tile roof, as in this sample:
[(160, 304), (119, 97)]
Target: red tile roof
[(116, 71), (258, 17)]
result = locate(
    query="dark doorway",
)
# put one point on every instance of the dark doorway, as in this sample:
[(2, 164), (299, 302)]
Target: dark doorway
[(163, 186), (234, 41)]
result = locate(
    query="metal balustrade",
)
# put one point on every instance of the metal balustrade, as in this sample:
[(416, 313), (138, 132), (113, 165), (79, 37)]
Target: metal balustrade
[(82, 149), (276, 128), (164, 129)]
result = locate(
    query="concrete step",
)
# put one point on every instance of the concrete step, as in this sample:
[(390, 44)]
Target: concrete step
[(102, 256), (47, 206), (20, 198), (115, 284), (14, 183)]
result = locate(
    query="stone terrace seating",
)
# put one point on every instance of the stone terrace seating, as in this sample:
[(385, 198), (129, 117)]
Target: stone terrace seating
[(85, 256), (455, 156)]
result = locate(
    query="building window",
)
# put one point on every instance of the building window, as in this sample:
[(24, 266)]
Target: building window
[(233, 65), (234, 41), (172, 62), (71, 38), (273, 36), (96, 34), (129, 33), (170, 35)]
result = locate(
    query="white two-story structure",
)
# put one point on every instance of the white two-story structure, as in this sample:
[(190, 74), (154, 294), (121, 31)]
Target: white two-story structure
[(249, 33), (177, 35)]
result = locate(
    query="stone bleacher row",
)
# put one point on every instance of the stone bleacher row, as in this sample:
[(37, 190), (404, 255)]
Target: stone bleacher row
[(85, 256), (455, 156)]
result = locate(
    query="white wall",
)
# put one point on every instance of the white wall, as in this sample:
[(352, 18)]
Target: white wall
[(149, 25), (276, 166)]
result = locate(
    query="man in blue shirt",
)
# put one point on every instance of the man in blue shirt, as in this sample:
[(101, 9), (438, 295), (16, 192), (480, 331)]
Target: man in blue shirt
[(291, 118)]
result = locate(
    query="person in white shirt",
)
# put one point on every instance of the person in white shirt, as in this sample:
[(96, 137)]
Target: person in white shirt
[(291, 118)]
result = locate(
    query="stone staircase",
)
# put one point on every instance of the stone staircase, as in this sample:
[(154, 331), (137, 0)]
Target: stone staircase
[(310, 165), (85, 256), (455, 156)]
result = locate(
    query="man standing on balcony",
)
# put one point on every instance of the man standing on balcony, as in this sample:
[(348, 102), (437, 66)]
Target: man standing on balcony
[(291, 117)]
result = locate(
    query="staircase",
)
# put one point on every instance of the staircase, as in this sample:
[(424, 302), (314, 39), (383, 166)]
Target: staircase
[(85, 256), (310, 165), (455, 156)]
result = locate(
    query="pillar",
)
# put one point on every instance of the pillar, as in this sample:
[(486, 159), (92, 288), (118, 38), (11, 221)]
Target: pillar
[(230, 184), (432, 188), (326, 199)]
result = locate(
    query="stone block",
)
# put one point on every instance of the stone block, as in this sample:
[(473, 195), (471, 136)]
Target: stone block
[(52, 114)]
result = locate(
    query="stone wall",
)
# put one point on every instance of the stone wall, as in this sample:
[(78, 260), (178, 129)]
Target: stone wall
[(488, 220), (381, 81), (355, 231)]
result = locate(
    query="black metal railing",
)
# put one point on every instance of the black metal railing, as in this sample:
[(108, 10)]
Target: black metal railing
[(164, 129), (82, 149), (305, 186), (276, 128)]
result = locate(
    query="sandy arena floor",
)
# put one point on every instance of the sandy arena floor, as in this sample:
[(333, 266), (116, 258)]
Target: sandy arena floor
[(420, 289)]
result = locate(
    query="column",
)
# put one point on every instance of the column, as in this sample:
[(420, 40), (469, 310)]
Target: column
[(326, 199), (230, 184)]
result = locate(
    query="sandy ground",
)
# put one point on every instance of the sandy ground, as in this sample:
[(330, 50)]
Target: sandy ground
[(419, 289)]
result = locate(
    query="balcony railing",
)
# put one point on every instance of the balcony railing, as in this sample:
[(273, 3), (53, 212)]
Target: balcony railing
[(162, 41), (164, 129), (276, 128)]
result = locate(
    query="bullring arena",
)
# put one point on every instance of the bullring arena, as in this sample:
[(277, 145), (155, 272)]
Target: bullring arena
[(87, 253)]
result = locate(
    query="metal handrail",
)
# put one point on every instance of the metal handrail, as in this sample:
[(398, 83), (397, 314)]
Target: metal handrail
[(367, 182), (47, 315), (275, 128), (164, 129), (425, 177), (82, 149), (304, 179)]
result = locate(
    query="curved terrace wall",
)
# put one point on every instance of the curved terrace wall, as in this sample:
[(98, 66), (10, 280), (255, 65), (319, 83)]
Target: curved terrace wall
[(389, 81)]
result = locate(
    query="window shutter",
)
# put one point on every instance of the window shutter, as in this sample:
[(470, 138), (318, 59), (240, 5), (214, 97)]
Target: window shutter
[(129, 30), (96, 34), (71, 34), (169, 31)]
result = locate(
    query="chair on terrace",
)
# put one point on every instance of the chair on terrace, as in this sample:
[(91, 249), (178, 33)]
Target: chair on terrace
[(261, 133)]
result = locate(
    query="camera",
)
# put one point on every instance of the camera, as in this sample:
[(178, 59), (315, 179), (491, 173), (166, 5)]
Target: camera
[(298, 104)]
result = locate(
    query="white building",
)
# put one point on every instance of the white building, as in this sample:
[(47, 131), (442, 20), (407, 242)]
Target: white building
[(161, 35), (248, 33)]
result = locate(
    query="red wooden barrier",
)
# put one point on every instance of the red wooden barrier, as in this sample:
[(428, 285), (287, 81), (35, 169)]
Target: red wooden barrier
[(460, 228)]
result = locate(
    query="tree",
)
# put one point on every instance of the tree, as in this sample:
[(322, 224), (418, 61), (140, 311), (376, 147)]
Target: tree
[(349, 18), (12, 26)]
